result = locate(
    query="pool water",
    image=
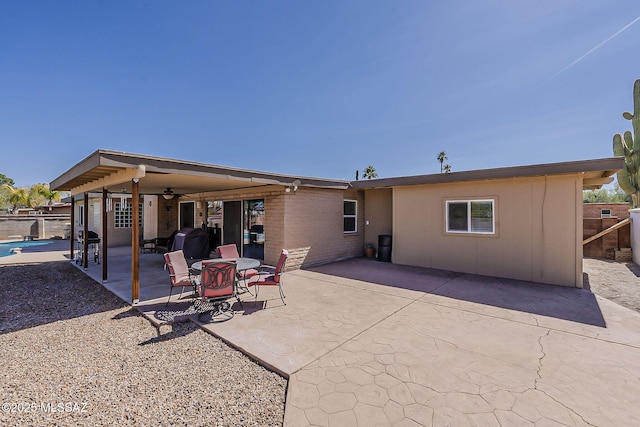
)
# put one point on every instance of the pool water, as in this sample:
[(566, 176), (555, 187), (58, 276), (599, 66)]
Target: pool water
[(5, 248)]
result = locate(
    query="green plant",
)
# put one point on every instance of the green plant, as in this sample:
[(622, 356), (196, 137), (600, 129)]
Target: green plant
[(17, 197), (369, 246), (442, 156), (628, 145), (369, 172)]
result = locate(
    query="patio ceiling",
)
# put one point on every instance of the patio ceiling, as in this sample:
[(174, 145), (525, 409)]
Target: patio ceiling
[(115, 170)]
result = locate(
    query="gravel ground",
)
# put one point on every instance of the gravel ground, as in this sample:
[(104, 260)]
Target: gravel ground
[(74, 354), (615, 281)]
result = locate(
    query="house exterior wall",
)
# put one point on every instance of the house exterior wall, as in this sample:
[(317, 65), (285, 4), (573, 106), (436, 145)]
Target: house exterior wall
[(312, 226), (116, 236), (538, 229), (307, 222), (167, 211), (274, 208), (378, 208)]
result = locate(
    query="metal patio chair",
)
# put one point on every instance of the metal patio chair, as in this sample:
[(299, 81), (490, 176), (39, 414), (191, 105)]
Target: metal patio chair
[(231, 251), (179, 273), (217, 286), (271, 278)]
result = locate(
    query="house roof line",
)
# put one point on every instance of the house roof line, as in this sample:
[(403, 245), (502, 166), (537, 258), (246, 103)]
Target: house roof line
[(601, 167), (102, 163)]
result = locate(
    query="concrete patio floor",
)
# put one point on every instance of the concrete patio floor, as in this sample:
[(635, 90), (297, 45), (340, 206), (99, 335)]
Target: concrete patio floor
[(366, 343)]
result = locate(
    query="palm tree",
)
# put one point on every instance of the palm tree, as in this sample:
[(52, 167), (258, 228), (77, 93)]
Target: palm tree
[(39, 191), (16, 196), (369, 172), (36, 195), (446, 168), (441, 158)]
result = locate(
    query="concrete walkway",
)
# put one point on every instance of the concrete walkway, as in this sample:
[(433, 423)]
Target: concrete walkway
[(366, 343)]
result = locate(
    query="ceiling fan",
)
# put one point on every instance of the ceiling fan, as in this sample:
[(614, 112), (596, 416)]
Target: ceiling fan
[(169, 194)]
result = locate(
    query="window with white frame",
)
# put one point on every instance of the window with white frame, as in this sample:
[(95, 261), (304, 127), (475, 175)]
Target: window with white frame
[(470, 216), (123, 218), (605, 213), (350, 216)]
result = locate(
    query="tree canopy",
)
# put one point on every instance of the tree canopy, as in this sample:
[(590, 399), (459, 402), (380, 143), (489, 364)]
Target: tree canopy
[(26, 197), (6, 180), (442, 156), (604, 195)]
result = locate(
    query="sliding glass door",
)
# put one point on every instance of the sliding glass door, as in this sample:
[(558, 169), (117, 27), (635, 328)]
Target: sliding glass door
[(253, 225)]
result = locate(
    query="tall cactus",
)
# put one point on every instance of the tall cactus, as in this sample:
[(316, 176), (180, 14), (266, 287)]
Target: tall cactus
[(628, 145)]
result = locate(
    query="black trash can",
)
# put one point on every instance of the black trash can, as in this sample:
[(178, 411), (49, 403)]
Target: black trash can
[(384, 247)]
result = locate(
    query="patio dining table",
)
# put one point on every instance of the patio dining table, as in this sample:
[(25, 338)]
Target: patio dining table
[(242, 263)]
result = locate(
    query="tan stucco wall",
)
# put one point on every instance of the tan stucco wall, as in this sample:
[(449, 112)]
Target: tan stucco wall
[(378, 208), (538, 229), (312, 226)]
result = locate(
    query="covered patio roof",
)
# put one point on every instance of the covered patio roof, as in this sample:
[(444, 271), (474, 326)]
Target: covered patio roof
[(118, 172), (114, 171)]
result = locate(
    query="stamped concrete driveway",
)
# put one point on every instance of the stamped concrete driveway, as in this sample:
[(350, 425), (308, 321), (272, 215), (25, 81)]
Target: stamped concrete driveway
[(366, 343)]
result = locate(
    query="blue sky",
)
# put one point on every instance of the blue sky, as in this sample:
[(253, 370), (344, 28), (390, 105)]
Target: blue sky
[(315, 88)]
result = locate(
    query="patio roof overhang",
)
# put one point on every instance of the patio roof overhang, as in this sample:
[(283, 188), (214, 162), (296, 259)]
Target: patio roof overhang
[(118, 172), (115, 171), (595, 174)]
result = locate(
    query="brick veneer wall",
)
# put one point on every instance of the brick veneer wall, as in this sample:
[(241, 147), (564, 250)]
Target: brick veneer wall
[(313, 226), (274, 228), (167, 216), (593, 210), (605, 246), (592, 224)]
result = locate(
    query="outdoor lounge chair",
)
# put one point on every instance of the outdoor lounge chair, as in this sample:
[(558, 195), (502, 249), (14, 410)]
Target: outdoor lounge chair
[(179, 272), (217, 285), (231, 252), (271, 278)]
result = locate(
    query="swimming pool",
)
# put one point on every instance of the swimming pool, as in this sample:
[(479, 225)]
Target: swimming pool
[(5, 248)]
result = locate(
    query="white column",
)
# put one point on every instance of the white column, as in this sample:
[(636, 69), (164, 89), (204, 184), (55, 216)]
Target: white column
[(635, 234)]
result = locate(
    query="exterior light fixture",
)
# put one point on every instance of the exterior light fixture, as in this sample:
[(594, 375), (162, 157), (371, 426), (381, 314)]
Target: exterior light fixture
[(168, 194)]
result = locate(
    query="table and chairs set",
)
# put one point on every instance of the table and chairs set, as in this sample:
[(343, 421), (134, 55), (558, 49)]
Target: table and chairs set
[(216, 281)]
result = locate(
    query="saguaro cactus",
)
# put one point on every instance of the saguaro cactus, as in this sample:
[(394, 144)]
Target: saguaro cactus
[(628, 145)]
